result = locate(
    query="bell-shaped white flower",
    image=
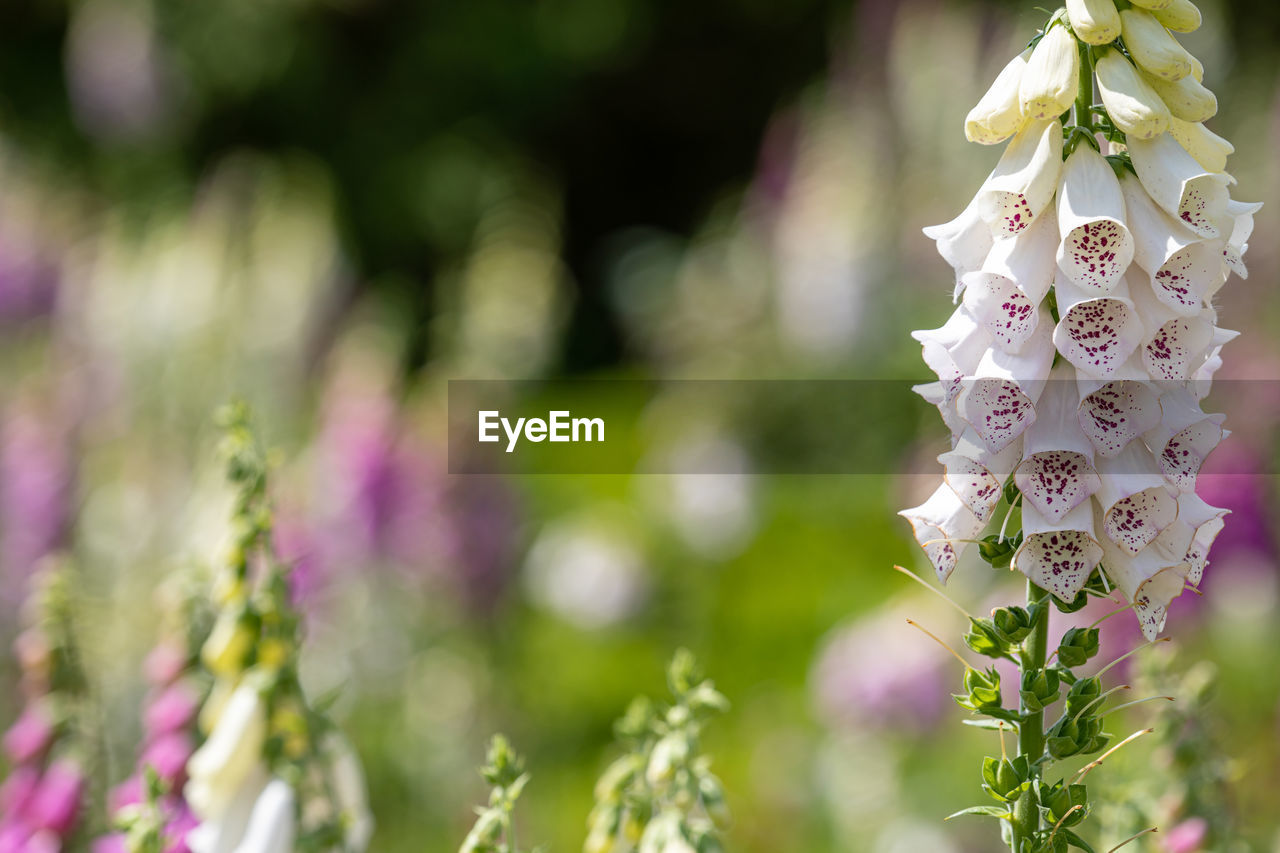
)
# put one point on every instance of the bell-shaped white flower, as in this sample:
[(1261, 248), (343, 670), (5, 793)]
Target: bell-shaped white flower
[(1024, 180), (1025, 260), (998, 398), (1208, 148), (963, 242), (1187, 99), (1184, 437), (1136, 502), (1096, 246), (1175, 345), (1052, 77), (1151, 46), (1057, 474), (977, 475), (347, 779), (1112, 414), (954, 350), (1150, 579), (1097, 334), (1182, 267), (998, 115), (943, 526), (1133, 105), (218, 769), (1094, 21), (1181, 16), (222, 833), (1002, 309), (1241, 214), (274, 821), (1206, 522), (1180, 185), (1058, 556)]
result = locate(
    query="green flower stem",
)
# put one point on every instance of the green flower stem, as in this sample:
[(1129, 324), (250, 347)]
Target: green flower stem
[(1084, 94), (1026, 812)]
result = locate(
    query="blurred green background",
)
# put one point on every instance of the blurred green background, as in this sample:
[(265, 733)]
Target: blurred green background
[(331, 207)]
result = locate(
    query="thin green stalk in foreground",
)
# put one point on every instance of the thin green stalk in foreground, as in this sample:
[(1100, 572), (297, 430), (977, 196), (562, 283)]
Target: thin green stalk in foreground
[(1026, 811)]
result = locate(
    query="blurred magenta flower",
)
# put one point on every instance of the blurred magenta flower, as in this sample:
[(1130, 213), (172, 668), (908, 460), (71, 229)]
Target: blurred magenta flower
[(171, 710), (56, 803), (1187, 837), (879, 672), (35, 485), (31, 735)]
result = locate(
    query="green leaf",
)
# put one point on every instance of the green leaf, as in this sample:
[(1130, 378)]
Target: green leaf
[(984, 811), (1077, 841)]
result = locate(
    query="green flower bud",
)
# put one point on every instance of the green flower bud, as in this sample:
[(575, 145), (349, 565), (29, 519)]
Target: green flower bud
[(984, 639), (1039, 689), (1078, 646), (1082, 694)]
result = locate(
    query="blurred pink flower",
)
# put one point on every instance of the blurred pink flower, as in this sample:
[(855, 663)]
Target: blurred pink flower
[(879, 672), (14, 836), (164, 664), (35, 484), (56, 803), (1187, 837), (31, 735), (114, 843), (17, 790), (168, 755), (171, 710)]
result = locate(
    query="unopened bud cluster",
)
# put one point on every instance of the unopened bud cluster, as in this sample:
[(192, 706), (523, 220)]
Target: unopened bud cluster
[(661, 796)]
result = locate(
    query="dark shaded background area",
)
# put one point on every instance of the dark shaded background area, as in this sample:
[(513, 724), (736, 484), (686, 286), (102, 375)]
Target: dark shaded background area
[(642, 111)]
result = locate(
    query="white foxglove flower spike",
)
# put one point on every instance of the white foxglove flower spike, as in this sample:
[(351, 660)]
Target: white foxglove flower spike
[(1136, 502), (1133, 105), (998, 115), (1024, 180), (1096, 246), (1208, 148), (1094, 21), (1187, 99), (1151, 46), (1058, 556), (1057, 474), (1180, 185), (1097, 334), (1052, 77), (1114, 413), (943, 526)]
